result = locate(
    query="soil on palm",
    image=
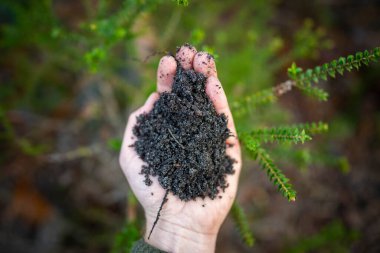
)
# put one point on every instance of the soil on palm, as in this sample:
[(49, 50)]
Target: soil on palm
[(183, 140)]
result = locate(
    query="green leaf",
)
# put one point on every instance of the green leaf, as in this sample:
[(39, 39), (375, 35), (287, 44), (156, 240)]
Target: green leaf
[(251, 143), (304, 79), (317, 70), (356, 64), (313, 128), (365, 60), (331, 72), (323, 76), (376, 52), (242, 224), (183, 2), (348, 67), (266, 163), (340, 70), (315, 92), (293, 71), (318, 73), (276, 175), (114, 144), (343, 164), (309, 73), (342, 61), (260, 98), (350, 58), (280, 134), (358, 56), (324, 72), (94, 58)]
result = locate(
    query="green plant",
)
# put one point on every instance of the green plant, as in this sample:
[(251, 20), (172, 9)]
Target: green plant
[(293, 134), (334, 237), (103, 48), (242, 224), (125, 238), (254, 139), (296, 134), (304, 79)]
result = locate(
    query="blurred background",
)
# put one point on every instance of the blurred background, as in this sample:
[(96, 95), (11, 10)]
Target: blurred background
[(71, 71)]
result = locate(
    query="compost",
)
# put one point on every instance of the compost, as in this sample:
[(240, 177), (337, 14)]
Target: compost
[(183, 140)]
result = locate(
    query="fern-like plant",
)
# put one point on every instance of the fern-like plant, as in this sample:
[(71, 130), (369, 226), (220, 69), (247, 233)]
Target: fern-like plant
[(287, 134), (242, 224), (304, 79), (254, 139)]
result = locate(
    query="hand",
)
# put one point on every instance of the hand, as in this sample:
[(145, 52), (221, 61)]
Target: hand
[(190, 226)]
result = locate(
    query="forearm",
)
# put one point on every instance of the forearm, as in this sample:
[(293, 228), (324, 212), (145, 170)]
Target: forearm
[(174, 238)]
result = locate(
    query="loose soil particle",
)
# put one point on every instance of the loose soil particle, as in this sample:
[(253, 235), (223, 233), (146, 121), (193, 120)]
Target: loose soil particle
[(183, 140)]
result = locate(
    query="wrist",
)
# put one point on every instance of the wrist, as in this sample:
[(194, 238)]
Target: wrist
[(171, 237)]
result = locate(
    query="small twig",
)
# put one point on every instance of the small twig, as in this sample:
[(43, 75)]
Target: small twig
[(283, 87), (154, 54), (159, 212), (175, 139), (148, 57), (80, 152)]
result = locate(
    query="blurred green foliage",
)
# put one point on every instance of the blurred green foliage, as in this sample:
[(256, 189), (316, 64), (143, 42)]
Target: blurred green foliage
[(125, 238), (334, 237), (46, 57), (304, 79), (242, 224)]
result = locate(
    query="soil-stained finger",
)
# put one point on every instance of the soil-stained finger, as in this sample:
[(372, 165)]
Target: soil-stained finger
[(185, 56), (205, 64), (165, 73), (216, 93)]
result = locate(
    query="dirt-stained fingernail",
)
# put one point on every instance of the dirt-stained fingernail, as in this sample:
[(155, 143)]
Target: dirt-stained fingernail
[(205, 64), (185, 55)]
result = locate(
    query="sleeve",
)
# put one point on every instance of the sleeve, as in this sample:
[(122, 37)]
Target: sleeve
[(142, 247)]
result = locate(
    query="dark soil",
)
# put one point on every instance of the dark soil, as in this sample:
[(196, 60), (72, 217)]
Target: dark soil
[(183, 140)]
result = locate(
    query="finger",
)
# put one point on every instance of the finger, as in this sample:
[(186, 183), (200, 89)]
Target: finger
[(127, 151), (132, 164), (185, 56), (205, 64), (165, 73), (217, 96)]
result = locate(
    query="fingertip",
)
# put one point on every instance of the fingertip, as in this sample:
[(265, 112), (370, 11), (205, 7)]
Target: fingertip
[(205, 64), (165, 73), (216, 93), (185, 56), (148, 106)]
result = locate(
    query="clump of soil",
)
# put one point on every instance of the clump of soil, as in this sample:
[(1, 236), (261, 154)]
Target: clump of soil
[(183, 140)]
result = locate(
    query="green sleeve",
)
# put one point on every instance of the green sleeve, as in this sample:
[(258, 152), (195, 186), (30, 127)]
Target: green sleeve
[(142, 247)]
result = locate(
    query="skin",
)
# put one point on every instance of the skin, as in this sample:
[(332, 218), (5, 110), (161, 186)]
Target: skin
[(183, 226)]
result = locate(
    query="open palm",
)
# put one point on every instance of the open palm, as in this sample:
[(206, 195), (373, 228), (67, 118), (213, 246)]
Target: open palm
[(195, 220)]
